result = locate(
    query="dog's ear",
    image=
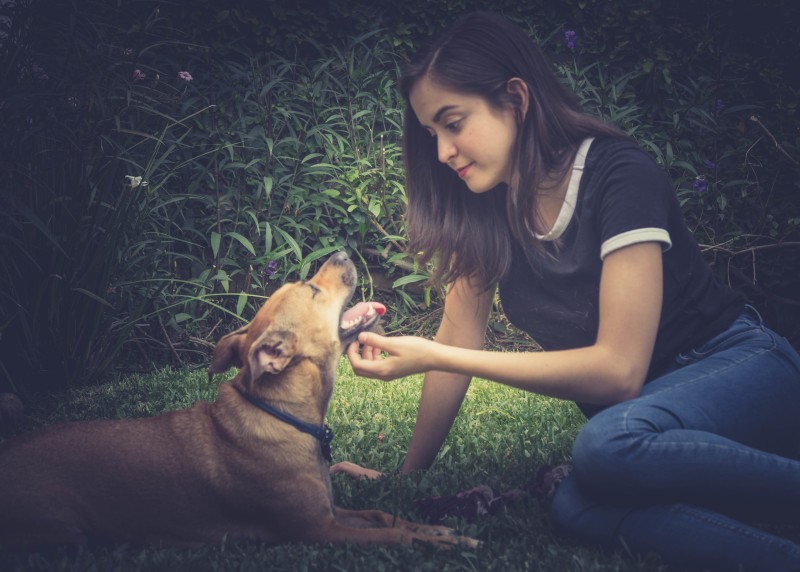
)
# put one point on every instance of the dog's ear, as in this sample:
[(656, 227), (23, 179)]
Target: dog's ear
[(228, 352), (272, 352)]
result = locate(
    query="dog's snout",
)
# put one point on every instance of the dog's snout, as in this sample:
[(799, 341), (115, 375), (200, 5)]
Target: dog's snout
[(340, 256), (338, 267)]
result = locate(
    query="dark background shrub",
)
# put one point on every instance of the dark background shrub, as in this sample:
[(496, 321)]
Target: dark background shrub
[(145, 213)]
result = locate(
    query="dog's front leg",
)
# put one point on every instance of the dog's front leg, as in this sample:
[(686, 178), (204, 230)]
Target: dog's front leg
[(366, 526), (364, 518)]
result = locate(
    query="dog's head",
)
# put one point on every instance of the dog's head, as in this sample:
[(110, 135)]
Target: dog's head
[(301, 322)]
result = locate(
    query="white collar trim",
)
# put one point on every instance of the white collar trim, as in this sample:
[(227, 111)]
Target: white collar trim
[(571, 198)]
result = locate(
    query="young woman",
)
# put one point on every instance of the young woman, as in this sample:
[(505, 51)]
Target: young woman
[(689, 398)]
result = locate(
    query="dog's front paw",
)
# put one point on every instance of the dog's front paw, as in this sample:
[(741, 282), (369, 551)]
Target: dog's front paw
[(437, 534)]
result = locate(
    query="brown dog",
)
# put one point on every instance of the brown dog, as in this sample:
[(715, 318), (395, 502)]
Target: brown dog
[(250, 465)]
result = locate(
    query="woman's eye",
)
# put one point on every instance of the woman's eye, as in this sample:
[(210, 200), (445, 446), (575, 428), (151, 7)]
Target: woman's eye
[(453, 125)]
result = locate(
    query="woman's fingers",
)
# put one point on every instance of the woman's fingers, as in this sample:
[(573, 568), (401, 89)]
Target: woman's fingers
[(364, 355), (381, 357), (374, 342)]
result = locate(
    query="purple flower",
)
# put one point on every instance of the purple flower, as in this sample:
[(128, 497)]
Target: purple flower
[(569, 38), (38, 72), (710, 164), (271, 267), (185, 76), (700, 184), (138, 75), (719, 105)]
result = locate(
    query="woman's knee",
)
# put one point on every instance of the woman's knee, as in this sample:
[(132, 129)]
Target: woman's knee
[(613, 452), (600, 449), (566, 507), (577, 516)]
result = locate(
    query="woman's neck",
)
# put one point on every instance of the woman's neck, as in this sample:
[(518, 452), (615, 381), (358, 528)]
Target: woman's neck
[(549, 202)]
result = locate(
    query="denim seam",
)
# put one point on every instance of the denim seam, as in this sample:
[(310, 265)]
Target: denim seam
[(737, 363), (744, 530), (629, 434), (754, 453), (695, 356)]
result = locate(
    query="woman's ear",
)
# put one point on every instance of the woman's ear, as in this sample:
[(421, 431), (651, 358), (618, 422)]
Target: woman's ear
[(518, 91)]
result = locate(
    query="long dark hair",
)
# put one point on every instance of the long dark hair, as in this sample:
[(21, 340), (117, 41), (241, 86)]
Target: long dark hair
[(470, 234)]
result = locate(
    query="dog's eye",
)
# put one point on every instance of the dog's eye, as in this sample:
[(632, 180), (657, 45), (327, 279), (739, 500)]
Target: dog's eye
[(314, 289)]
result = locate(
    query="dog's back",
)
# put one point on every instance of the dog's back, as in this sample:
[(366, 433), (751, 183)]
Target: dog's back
[(113, 467)]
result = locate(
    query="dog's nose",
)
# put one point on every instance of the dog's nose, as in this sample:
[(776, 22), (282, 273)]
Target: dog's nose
[(340, 256)]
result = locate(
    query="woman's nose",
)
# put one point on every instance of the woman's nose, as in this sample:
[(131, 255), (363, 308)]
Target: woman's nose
[(446, 149)]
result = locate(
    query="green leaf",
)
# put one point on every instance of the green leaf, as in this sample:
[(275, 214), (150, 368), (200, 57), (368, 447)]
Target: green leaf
[(305, 267), (223, 279), (267, 237), (241, 303), (375, 208), (244, 242), (409, 279), (317, 254), (215, 240), (310, 156), (93, 296), (267, 186), (291, 242)]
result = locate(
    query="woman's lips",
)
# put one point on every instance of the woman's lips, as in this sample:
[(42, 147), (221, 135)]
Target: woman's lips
[(462, 172)]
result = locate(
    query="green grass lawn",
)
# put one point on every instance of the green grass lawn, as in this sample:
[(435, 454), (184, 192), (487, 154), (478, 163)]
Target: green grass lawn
[(500, 438)]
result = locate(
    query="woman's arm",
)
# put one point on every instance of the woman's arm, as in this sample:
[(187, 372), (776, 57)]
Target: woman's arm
[(611, 370), (466, 313), (463, 325)]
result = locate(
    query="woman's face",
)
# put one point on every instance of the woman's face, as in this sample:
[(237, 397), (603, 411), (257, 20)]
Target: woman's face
[(472, 137)]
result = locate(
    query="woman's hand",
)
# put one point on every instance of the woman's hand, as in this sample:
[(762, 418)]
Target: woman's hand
[(406, 355), (354, 471)]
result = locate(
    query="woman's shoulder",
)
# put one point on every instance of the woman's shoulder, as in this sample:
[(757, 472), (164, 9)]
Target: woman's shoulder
[(605, 147), (621, 157), (619, 167)]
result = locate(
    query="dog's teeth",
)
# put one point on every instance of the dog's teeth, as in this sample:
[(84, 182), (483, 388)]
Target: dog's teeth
[(371, 311), (347, 325)]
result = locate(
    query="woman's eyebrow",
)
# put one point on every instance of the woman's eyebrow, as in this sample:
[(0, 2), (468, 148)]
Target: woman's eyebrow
[(442, 110)]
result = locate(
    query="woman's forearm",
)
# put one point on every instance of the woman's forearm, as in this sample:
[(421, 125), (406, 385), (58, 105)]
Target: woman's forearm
[(591, 374), (442, 395)]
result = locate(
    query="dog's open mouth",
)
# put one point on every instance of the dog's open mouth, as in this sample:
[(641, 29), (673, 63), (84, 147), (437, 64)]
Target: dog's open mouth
[(360, 317)]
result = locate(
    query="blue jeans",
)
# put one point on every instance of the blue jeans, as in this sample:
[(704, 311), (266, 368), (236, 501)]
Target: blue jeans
[(682, 469)]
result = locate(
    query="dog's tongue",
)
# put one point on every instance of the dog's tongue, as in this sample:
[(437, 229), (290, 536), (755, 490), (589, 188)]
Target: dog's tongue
[(363, 309)]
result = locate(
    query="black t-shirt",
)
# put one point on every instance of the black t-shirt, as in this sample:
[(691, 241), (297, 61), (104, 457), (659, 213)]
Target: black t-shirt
[(619, 197)]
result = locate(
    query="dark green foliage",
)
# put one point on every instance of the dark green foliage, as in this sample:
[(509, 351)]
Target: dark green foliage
[(67, 218), (152, 207), (148, 213)]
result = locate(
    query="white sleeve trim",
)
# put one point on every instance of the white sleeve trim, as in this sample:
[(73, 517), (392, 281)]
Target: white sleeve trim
[(634, 237)]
